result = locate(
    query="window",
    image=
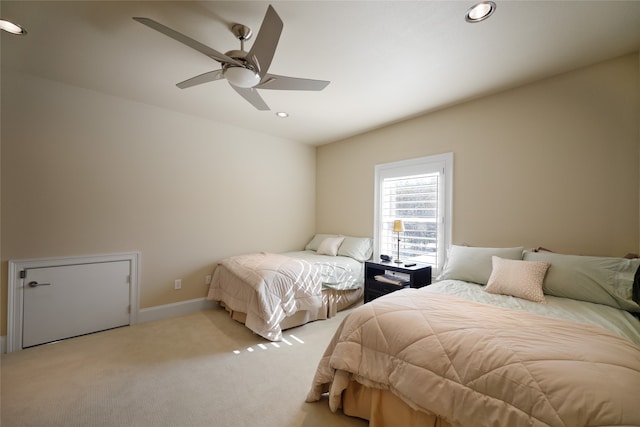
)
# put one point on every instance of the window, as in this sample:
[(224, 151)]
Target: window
[(418, 192)]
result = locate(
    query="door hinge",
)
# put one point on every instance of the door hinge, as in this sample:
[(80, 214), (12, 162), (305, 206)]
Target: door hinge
[(23, 274)]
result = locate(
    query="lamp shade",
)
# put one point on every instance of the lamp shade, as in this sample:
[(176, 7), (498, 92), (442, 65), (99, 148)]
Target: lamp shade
[(398, 227)]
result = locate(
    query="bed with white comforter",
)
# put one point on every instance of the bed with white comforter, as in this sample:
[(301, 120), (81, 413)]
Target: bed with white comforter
[(271, 292)]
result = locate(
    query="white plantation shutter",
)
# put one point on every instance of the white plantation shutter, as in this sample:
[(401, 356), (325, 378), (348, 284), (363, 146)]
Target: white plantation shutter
[(416, 192), (414, 200)]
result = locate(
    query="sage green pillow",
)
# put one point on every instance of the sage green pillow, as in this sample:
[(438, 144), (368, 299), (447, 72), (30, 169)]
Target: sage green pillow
[(601, 280), (473, 264)]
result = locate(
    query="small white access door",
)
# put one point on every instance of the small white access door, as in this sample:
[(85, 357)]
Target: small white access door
[(70, 300), (50, 299)]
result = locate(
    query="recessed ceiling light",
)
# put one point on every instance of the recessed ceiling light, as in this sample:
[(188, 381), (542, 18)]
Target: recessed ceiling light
[(282, 114), (12, 28), (480, 11)]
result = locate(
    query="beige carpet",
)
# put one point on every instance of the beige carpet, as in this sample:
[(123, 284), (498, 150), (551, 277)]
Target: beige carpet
[(201, 369)]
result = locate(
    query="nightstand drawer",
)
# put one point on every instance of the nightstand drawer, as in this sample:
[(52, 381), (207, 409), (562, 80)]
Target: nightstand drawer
[(416, 276), (375, 289)]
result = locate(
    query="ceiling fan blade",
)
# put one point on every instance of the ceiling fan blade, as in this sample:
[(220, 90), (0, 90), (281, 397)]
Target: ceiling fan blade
[(273, 81), (206, 50), (202, 78), (264, 47), (251, 95)]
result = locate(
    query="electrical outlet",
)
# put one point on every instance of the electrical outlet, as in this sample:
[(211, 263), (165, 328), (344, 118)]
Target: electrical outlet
[(177, 284), (207, 279)]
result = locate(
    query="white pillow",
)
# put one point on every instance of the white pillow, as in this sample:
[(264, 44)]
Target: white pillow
[(472, 264), (358, 248), (314, 243), (330, 245), (522, 279)]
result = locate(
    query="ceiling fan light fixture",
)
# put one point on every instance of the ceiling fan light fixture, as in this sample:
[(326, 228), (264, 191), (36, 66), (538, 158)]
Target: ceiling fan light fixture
[(12, 28), (480, 11), (241, 77)]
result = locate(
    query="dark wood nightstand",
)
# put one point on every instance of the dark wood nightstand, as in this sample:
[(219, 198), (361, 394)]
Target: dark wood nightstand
[(416, 276)]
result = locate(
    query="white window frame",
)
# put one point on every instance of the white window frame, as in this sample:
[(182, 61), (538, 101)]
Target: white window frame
[(439, 162)]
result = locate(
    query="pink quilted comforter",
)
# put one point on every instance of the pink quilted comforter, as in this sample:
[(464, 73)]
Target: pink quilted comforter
[(479, 365)]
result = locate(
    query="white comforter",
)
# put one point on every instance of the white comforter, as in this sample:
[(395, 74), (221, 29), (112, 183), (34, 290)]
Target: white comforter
[(279, 285)]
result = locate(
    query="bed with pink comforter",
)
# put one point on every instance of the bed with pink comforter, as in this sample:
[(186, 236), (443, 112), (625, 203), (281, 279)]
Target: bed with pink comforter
[(453, 354)]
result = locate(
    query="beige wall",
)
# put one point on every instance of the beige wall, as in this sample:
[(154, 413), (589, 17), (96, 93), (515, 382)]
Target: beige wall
[(552, 164), (85, 173)]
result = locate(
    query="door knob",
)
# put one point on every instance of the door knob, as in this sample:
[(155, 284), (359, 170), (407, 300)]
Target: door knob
[(35, 284)]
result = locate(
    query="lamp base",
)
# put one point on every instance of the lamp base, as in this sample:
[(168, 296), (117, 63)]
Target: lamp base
[(398, 261)]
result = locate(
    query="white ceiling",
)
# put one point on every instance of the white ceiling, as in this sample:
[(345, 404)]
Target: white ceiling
[(386, 60)]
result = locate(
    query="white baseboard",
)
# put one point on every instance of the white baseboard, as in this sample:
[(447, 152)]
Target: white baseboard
[(172, 310), (155, 313)]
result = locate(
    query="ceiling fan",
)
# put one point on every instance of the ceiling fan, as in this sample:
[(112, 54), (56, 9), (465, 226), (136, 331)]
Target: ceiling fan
[(245, 71)]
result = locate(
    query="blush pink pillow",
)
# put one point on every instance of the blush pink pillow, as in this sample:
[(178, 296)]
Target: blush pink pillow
[(522, 279)]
